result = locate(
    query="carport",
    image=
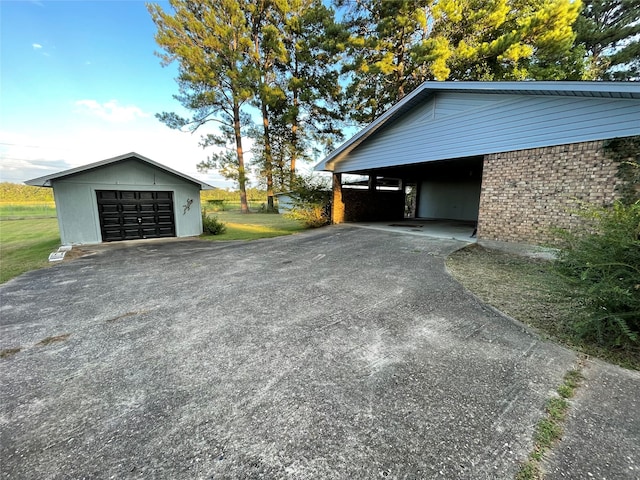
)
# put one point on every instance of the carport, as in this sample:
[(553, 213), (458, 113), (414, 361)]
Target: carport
[(441, 190), (513, 158)]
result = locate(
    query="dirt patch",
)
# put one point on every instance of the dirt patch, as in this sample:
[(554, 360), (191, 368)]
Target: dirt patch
[(54, 339), (8, 352), (125, 315)]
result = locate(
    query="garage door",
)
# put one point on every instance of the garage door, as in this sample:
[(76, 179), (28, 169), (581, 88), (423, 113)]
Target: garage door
[(129, 215)]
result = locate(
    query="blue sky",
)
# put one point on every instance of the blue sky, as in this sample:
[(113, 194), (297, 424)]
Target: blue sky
[(79, 82)]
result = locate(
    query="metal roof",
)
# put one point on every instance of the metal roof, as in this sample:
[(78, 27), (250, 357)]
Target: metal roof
[(429, 88), (45, 181)]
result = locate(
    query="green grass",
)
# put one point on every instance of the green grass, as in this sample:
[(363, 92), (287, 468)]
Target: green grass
[(550, 428), (252, 226), (17, 211), (26, 244), (29, 233)]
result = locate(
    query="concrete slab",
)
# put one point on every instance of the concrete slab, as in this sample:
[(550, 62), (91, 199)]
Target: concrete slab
[(445, 229), (338, 353)]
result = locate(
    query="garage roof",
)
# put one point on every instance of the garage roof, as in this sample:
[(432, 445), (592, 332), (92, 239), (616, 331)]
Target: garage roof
[(428, 90), (46, 180)]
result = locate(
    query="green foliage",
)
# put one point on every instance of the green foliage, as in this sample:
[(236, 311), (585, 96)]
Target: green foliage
[(608, 31), (395, 46), (626, 151), (311, 201), (601, 263), (211, 42), (211, 225)]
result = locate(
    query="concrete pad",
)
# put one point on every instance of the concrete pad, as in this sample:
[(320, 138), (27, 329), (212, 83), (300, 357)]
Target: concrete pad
[(337, 353), (602, 434), (445, 229)]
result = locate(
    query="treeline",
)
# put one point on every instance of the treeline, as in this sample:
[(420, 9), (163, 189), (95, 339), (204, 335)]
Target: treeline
[(16, 193), (291, 74), (253, 195)]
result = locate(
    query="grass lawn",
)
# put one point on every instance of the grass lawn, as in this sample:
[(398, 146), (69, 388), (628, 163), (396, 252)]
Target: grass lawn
[(16, 211), (29, 233), (527, 290), (251, 226), (26, 244)]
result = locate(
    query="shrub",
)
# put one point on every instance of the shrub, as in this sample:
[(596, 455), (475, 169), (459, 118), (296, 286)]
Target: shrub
[(601, 264), (211, 225), (311, 201)]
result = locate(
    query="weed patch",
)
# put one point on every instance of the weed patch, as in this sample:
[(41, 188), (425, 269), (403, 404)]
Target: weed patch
[(549, 429), (528, 290)]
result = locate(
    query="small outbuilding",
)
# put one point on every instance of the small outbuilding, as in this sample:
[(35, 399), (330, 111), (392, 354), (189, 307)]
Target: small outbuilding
[(128, 197)]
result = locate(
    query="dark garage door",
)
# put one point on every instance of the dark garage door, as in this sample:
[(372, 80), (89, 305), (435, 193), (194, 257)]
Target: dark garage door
[(129, 215)]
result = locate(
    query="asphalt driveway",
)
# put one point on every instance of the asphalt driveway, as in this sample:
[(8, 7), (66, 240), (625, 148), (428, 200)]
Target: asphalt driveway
[(337, 353)]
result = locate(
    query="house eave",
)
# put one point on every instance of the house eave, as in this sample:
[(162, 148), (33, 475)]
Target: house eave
[(429, 88)]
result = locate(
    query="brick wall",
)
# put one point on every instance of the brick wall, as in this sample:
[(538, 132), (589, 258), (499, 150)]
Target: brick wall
[(527, 192)]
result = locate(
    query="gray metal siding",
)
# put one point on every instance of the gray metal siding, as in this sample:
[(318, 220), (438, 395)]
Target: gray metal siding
[(506, 123), (77, 206)]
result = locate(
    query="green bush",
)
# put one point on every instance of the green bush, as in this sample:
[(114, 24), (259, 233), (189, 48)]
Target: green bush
[(601, 264), (311, 201), (211, 225)]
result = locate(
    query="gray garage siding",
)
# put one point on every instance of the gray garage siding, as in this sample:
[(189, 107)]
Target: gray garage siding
[(77, 206), (444, 128)]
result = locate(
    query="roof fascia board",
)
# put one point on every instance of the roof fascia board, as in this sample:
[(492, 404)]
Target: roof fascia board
[(45, 181)]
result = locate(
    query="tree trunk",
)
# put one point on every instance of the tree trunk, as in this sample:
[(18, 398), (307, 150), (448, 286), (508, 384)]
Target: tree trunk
[(294, 138), (268, 157), (242, 178)]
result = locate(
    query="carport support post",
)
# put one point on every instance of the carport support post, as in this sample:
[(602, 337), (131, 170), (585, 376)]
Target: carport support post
[(337, 205)]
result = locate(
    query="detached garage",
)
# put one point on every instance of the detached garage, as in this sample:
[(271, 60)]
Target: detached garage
[(514, 159), (128, 197)]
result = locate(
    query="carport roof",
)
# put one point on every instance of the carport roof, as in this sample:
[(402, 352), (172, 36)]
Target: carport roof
[(429, 88), (46, 180)]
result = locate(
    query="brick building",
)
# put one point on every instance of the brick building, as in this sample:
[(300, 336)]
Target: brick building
[(516, 159)]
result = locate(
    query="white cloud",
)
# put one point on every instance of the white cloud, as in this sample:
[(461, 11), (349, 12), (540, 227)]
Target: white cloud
[(36, 46), (111, 111), (27, 156)]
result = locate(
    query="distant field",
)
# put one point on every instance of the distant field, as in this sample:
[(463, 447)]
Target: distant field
[(15, 211)]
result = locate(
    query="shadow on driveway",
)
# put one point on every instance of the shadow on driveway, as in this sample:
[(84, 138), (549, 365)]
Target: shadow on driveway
[(337, 353)]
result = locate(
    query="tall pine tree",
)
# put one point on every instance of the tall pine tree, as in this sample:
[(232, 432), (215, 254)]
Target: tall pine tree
[(609, 31), (210, 41)]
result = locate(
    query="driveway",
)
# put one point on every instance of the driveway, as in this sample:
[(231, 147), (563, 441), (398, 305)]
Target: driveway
[(336, 353)]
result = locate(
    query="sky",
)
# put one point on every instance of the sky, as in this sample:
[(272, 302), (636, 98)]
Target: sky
[(79, 83)]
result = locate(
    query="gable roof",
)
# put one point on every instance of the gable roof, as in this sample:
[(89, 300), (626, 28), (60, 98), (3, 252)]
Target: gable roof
[(428, 90), (45, 181)]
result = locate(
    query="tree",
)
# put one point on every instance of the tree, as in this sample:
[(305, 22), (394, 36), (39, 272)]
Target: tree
[(397, 45), (383, 39), (263, 19), (309, 114), (609, 32), (211, 41)]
